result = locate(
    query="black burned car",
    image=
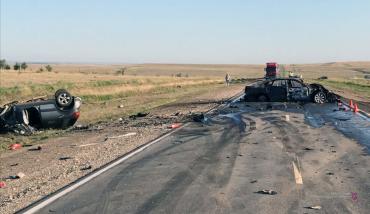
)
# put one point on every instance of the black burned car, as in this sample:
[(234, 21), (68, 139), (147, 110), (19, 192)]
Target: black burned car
[(287, 89), (61, 111)]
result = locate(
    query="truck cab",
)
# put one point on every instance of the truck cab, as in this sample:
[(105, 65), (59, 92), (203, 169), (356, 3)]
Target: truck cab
[(272, 70)]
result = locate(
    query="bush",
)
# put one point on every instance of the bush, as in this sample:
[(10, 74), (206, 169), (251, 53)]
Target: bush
[(49, 68)]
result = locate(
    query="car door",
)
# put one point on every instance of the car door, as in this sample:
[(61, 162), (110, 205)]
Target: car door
[(278, 91), (297, 91)]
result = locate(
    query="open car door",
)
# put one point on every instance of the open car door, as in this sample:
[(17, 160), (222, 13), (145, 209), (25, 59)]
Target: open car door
[(277, 91)]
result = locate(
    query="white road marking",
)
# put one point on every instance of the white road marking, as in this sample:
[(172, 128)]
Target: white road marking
[(297, 174), (95, 174)]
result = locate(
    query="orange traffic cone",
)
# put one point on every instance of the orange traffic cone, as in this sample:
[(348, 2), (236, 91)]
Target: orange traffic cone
[(356, 109), (351, 104)]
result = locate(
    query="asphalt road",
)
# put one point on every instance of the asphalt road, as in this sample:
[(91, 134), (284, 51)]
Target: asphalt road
[(311, 156)]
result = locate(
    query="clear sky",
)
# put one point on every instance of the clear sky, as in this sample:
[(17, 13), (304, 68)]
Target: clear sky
[(185, 31)]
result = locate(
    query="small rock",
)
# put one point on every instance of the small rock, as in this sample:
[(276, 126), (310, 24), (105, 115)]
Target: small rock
[(330, 173), (120, 106)]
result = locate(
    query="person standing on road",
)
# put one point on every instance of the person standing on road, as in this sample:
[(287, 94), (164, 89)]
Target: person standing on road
[(227, 79)]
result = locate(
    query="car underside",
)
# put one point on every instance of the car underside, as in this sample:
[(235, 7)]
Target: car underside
[(61, 111)]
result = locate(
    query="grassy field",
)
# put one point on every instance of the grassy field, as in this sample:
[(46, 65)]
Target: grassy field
[(146, 86)]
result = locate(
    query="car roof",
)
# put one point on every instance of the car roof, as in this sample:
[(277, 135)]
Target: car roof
[(287, 78)]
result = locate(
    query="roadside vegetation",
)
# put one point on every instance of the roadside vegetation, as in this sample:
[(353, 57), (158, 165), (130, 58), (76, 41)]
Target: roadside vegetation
[(357, 87)]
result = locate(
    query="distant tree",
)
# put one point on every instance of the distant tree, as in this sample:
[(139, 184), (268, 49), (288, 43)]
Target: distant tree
[(17, 66), (122, 71), (7, 67), (24, 66), (49, 68), (2, 64)]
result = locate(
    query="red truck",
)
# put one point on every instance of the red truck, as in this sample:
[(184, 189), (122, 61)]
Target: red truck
[(272, 70)]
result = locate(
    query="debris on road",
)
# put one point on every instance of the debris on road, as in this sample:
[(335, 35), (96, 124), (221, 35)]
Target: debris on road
[(2, 184), (65, 158), (88, 167), (80, 127), (140, 114), (308, 148), (198, 117), (121, 136), (14, 164), (15, 146), (330, 173), (175, 126), (287, 118), (253, 181), (314, 208), (19, 175), (323, 78), (38, 148), (267, 192), (120, 106)]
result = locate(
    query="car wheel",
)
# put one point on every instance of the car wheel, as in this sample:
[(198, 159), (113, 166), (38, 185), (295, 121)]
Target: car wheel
[(63, 98), (262, 98), (319, 97)]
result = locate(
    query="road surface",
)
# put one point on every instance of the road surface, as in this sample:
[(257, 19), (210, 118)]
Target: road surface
[(311, 156)]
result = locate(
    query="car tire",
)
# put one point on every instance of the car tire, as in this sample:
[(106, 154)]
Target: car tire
[(262, 98), (319, 97), (63, 98)]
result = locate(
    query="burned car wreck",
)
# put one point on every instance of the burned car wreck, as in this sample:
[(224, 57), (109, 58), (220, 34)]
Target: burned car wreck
[(288, 90), (61, 111)]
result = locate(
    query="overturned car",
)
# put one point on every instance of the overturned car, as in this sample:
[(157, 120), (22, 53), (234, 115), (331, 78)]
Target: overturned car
[(288, 89), (61, 111)]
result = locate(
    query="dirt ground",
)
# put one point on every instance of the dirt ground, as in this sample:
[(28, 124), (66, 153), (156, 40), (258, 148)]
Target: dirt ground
[(66, 158)]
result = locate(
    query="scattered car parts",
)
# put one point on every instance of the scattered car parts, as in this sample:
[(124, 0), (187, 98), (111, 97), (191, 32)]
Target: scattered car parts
[(61, 111)]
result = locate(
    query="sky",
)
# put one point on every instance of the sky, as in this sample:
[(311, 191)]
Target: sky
[(185, 31)]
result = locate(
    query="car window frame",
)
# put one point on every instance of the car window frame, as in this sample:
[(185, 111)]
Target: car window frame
[(291, 84)]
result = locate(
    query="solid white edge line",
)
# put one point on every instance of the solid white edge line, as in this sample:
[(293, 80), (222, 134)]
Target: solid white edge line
[(74, 186), (95, 174)]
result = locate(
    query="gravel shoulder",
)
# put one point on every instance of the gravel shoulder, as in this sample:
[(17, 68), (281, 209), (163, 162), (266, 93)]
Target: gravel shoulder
[(66, 158)]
